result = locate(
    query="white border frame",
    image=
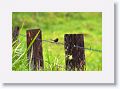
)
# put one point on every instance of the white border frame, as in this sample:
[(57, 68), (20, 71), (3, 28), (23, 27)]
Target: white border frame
[(104, 76)]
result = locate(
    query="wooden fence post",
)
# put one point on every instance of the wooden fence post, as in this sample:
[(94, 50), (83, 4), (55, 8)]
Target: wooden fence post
[(74, 52), (15, 33), (35, 54)]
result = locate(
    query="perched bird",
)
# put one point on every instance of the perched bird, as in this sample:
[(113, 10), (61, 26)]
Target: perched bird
[(55, 40)]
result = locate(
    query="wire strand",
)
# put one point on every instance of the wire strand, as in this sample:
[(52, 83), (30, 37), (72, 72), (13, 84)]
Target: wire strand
[(91, 49)]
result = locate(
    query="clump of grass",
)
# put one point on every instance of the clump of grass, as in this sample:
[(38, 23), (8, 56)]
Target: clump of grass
[(16, 51)]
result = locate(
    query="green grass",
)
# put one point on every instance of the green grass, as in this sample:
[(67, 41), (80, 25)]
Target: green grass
[(55, 25)]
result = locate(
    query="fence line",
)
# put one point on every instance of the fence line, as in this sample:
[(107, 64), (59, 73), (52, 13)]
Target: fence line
[(50, 41), (73, 45)]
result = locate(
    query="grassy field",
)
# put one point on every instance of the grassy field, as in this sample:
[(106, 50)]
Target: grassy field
[(55, 25)]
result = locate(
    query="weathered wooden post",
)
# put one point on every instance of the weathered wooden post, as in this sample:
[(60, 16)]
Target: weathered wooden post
[(35, 54), (74, 52), (15, 33)]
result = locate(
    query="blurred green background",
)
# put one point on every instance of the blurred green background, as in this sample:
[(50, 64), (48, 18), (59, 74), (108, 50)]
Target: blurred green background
[(55, 25)]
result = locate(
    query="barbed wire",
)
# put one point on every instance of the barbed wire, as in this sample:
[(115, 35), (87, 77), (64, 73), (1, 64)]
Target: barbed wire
[(51, 41)]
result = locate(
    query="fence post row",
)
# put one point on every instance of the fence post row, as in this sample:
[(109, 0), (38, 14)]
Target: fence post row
[(35, 55), (75, 57)]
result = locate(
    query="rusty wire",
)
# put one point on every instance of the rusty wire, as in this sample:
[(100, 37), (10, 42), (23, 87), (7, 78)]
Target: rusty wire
[(59, 43)]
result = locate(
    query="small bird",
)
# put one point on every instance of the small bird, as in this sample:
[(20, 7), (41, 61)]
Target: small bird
[(56, 40)]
